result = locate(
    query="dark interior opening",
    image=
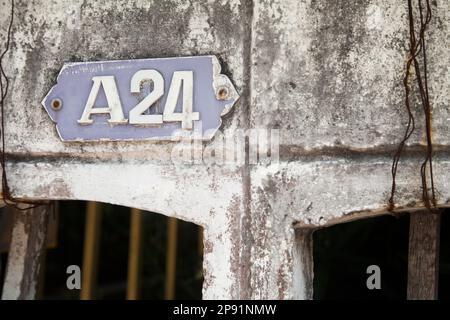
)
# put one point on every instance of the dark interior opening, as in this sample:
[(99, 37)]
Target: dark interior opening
[(343, 252), (112, 267)]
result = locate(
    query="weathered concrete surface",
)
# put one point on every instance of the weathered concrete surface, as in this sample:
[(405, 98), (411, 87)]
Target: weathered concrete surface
[(326, 73), (319, 193), (330, 72), (25, 256), (47, 34), (209, 197)]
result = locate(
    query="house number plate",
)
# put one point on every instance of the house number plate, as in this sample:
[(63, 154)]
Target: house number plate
[(155, 99)]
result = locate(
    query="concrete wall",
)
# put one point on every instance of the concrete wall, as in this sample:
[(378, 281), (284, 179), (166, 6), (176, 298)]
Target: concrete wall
[(327, 74)]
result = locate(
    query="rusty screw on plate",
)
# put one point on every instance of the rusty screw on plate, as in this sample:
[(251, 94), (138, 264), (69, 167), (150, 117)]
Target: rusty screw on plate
[(222, 93), (56, 104)]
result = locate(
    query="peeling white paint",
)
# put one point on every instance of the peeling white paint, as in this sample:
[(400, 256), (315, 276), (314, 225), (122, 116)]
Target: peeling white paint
[(375, 20)]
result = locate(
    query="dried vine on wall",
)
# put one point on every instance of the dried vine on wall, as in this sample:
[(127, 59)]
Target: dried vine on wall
[(417, 63)]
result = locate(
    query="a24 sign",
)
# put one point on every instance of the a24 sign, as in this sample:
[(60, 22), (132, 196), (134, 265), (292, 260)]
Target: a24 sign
[(140, 99)]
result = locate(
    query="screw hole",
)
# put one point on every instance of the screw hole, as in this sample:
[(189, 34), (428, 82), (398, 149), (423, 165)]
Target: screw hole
[(222, 93), (56, 104)]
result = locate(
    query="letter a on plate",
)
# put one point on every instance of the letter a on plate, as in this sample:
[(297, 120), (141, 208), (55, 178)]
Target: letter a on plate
[(146, 99)]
